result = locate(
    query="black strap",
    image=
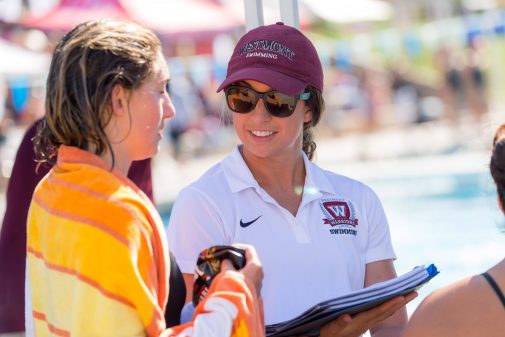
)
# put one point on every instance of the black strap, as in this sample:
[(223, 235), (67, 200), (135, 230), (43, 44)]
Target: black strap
[(176, 294), (495, 287)]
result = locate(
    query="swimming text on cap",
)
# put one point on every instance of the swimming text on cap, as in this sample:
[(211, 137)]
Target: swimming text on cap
[(266, 45)]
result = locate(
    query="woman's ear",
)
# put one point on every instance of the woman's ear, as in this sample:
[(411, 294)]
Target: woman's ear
[(118, 100), (307, 118)]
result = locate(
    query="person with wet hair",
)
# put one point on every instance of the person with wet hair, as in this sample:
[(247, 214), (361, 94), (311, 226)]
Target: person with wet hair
[(97, 256), (475, 305), (23, 180)]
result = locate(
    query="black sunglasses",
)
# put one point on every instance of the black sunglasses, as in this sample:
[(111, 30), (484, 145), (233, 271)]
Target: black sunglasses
[(243, 100)]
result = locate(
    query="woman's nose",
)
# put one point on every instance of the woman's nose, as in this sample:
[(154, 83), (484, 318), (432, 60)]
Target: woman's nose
[(261, 110), (168, 109)]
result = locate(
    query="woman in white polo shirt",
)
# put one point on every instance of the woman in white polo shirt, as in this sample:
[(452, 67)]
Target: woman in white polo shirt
[(318, 234)]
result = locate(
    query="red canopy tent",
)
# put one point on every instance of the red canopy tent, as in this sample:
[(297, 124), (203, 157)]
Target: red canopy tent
[(173, 20), (68, 13)]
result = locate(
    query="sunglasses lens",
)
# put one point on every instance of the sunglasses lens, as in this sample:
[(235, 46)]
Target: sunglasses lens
[(280, 105), (243, 100), (240, 99)]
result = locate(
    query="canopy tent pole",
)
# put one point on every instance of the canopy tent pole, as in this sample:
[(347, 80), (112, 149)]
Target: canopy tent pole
[(254, 13), (289, 13)]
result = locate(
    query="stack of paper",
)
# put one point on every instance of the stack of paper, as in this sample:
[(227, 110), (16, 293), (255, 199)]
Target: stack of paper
[(310, 321)]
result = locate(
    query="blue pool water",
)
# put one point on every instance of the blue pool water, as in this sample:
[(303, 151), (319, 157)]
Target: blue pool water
[(450, 220)]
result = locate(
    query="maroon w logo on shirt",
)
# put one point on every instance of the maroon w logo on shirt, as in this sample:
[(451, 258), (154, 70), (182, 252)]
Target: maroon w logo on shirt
[(339, 212)]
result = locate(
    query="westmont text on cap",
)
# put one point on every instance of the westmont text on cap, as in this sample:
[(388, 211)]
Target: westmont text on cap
[(277, 55), (267, 45)]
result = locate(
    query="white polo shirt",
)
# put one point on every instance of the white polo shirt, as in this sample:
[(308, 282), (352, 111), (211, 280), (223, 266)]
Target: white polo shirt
[(319, 254)]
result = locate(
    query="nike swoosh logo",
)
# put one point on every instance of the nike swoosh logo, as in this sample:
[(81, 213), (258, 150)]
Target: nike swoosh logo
[(245, 224)]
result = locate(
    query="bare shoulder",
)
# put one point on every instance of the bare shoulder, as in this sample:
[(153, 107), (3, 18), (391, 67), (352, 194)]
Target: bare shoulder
[(467, 308)]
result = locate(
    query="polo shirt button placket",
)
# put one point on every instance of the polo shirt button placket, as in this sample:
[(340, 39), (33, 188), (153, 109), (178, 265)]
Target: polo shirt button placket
[(298, 229)]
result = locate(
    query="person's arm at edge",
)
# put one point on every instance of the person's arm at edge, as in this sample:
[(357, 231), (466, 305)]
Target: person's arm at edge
[(458, 309), (417, 324)]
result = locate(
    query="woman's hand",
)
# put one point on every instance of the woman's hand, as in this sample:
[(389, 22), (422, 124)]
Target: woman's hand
[(253, 270), (347, 326)]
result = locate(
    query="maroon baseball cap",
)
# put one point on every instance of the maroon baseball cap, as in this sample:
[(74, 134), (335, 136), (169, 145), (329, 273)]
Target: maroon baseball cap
[(277, 55)]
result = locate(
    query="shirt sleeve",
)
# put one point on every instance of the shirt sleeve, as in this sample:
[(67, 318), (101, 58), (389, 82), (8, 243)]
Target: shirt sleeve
[(379, 238), (194, 225)]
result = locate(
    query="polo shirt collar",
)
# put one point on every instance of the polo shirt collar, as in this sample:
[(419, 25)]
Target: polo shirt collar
[(240, 177), (316, 179), (237, 172)]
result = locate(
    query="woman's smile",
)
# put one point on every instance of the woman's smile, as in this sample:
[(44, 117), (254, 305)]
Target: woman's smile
[(261, 133)]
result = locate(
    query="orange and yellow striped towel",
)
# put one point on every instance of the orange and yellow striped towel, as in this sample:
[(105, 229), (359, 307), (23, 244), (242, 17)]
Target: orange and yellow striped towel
[(98, 261)]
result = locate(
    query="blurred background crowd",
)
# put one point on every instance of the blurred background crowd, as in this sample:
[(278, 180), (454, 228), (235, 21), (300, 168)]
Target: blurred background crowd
[(388, 64)]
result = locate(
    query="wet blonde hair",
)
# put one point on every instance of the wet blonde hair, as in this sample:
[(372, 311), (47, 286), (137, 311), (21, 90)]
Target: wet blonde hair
[(88, 62)]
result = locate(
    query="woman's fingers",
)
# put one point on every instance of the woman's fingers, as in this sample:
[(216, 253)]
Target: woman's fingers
[(347, 326), (253, 270)]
